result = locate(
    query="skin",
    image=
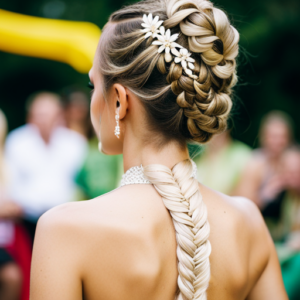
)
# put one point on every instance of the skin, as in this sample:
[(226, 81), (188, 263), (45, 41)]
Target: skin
[(46, 114), (291, 175), (77, 113), (11, 282), (122, 245), (291, 171), (9, 210)]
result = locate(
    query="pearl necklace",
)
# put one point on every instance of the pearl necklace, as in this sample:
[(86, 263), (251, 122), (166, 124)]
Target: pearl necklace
[(135, 175)]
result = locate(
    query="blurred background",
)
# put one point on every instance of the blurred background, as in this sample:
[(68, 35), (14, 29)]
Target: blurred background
[(258, 157)]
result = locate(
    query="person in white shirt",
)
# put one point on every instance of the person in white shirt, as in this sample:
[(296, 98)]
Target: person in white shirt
[(43, 158)]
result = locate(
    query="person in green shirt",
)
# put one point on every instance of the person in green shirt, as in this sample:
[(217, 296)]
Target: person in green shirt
[(221, 163), (100, 173)]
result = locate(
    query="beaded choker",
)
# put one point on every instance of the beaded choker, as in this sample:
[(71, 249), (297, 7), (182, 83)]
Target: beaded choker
[(135, 175)]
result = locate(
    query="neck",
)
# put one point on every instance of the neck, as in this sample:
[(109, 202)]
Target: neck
[(136, 154)]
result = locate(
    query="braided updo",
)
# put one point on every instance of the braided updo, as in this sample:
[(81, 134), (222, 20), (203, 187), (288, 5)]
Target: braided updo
[(178, 108), (182, 108)]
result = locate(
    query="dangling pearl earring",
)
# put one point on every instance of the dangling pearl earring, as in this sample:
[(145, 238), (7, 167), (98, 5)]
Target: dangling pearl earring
[(100, 147), (117, 128)]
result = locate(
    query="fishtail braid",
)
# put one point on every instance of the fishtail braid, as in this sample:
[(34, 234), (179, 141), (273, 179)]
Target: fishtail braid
[(181, 196)]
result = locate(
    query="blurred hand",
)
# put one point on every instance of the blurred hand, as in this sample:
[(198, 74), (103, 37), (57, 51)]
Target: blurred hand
[(10, 210), (272, 188), (293, 240)]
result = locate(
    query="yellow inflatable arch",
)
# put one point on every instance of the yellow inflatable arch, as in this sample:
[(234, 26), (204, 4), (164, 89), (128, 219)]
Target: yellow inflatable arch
[(70, 42)]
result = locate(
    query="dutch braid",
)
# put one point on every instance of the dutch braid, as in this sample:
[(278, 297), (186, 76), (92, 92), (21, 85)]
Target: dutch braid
[(181, 196), (205, 101)]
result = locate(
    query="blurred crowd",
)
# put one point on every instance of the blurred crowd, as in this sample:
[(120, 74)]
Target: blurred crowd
[(270, 177), (50, 160), (54, 158)]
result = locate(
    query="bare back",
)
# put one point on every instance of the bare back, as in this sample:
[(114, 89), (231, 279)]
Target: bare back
[(122, 246)]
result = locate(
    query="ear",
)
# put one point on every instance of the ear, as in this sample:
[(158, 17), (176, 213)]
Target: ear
[(120, 93)]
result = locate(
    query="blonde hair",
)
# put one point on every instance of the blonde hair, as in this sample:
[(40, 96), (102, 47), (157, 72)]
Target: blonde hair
[(177, 108)]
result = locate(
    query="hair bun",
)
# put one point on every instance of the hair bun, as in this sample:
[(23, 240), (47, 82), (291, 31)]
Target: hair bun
[(213, 40)]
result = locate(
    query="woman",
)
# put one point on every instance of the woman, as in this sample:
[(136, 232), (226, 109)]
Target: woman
[(148, 101), (262, 179)]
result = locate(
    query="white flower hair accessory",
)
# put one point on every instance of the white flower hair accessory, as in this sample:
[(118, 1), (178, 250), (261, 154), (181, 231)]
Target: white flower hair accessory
[(151, 25), (166, 42), (183, 57)]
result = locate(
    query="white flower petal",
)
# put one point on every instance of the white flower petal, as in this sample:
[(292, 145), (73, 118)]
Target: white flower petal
[(183, 63), (155, 35), (177, 60), (168, 34), (148, 34), (175, 51), (191, 66), (188, 71), (168, 57), (162, 30), (161, 38), (158, 24), (145, 19), (157, 43), (184, 51), (174, 37), (190, 59), (155, 20), (145, 25), (161, 49), (150, 18), (145, 30), (173, 44), (167, 50)]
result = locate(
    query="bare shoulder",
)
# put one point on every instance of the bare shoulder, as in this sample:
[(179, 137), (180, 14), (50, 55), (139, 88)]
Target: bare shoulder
[(234, 210), (61, 233), (121, 207), (63, 220), (236, 215), (241, 244), (88, 242), (125, 219), (57, 254), (124, 235), (249, 221), (246, 212)]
